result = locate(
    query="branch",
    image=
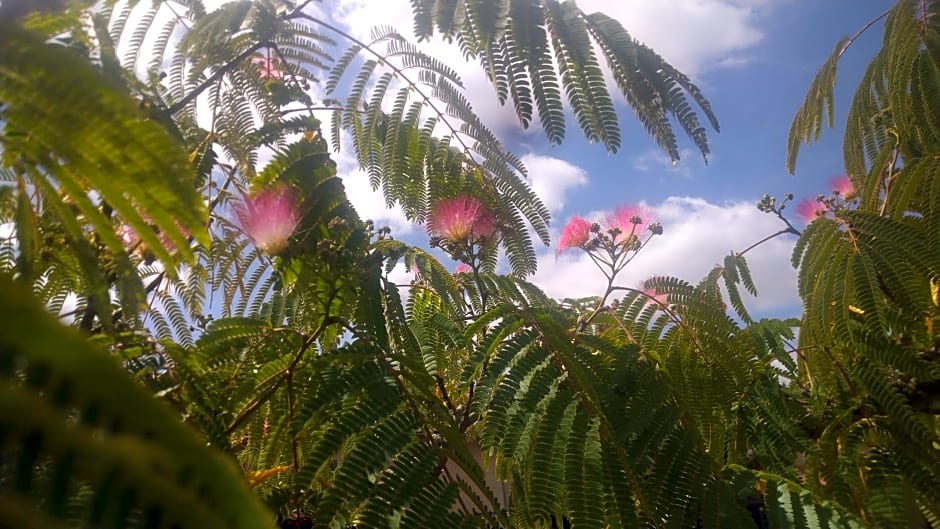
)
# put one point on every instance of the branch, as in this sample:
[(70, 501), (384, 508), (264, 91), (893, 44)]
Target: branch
[(455, 132), (284, 375), (861, 30), (224, 69), (788, 229)]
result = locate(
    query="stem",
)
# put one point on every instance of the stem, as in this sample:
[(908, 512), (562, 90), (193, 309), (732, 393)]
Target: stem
[(793, 230), (476, 277), (445, 395), (863, 29), (465, 419), (299, 8), (891, 174), (788, 229), (600, 304), (217, 75), (260, 399), (295, 458), (619, 258)]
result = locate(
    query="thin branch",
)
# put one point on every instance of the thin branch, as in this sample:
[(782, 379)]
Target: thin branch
[(445, 395), (295, 451), (788, 229), (263, 397), (218, 74), (455, 132), (863, 29)]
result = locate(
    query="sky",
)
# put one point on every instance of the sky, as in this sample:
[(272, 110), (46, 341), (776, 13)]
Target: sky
[(754, 60)]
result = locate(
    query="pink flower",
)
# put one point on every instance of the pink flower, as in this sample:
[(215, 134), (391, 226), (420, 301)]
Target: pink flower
[(269, 217), (659, 299), (575, 235), (652, 293), (167, 243), (842, 185), (461, 217), (809, 210), (128, 236), (267, 67), (629, 220), (132, 242), (462, 268)]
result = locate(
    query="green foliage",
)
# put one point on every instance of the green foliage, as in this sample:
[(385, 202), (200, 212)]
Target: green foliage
[(516, 42), (68, 132), (456, 400), (413, 167), (72, 453), (868, 278)]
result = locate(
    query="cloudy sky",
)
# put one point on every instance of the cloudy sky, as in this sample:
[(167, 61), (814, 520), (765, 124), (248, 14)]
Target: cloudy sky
[(754, 59)]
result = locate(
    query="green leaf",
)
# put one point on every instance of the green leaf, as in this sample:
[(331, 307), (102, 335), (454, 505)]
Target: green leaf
[(77, 428)]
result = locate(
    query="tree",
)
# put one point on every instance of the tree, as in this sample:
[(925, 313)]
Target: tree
[(264, 318)]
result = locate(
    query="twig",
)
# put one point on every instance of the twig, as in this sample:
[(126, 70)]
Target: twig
[(863, 29), (788, 229), (217, 75), (262, 398)]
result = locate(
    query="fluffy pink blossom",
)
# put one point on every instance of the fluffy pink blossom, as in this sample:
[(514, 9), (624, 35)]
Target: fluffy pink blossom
[(267, 67), (461, 217), (165, 239), (269, 217), (128, 236), (809, 209), (575, 234), (623, 218), (653, 294), (462, 268), (132, 242), (843, 186), (654, 297)]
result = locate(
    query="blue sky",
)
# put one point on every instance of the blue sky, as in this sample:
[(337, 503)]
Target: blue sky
[(754, 59)]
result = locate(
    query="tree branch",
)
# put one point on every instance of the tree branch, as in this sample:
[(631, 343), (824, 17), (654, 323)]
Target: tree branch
[(224, 69)]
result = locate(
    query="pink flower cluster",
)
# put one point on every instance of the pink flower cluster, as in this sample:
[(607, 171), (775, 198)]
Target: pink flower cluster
[(268, 67), (809, 209), (269, 217), (653, 295), (462, 218), (132, 242), (842, 185), (574, 235), (630, 220)]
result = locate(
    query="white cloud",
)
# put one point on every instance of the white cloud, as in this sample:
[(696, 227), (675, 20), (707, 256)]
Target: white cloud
[(369, 203), (698, 235), (361, 16), (552, 178), (692, 35), (400, 275)]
